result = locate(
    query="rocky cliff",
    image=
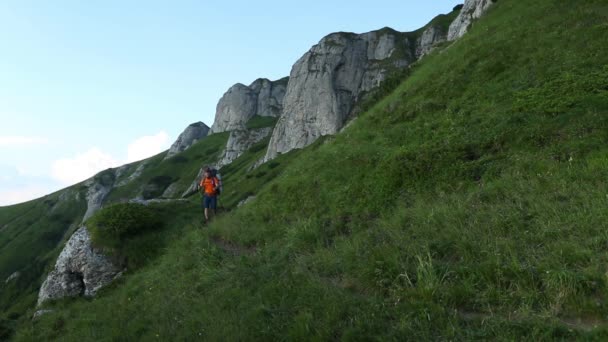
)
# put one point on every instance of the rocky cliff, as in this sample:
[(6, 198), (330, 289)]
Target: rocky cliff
[(240, 141), (79, 270), (240, 103), (472, 10), (193, 133), (325, 83)]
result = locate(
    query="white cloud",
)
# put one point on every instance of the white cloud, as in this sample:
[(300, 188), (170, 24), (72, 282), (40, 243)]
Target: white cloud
[(147, 146), (14, 196), (82, 166), (85, 165), (17, 140)]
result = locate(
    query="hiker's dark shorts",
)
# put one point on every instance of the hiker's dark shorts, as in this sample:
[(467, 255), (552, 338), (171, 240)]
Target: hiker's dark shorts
[(210, 202)]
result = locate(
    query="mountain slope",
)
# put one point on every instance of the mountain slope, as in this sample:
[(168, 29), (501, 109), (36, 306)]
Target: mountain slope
[(468, 203)]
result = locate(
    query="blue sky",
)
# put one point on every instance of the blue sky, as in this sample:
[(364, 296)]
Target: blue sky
[(87, 85)]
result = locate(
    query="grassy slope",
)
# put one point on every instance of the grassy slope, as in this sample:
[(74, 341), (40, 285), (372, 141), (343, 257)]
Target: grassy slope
[(469, 203), (181, 169), (31, 234), (29, 237)]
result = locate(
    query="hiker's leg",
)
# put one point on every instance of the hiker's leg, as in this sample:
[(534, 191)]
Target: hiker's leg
[(206, 206), (213, 204)]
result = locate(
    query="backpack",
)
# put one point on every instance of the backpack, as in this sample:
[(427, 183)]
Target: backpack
[(216, 174)]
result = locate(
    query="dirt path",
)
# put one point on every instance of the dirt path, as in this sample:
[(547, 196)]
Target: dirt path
[(231, 247)]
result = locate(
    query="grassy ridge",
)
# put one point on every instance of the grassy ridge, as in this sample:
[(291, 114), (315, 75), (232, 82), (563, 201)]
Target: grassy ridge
[(30, 233), (468, 204)]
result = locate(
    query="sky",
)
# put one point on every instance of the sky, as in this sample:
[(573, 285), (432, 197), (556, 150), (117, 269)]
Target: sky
[(88, 85)]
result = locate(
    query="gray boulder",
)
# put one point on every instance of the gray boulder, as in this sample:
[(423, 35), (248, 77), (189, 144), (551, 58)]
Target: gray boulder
[(325, 83), (193, 133), (79, 270), (240, 141), (240, 103), (472, 10)]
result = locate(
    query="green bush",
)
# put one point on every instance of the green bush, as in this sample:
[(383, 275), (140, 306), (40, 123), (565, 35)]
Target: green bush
[(111, 226)]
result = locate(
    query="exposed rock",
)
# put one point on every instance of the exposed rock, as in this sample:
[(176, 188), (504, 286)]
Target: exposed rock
[(270, 96), (327, 81), (12, 277), (140, 168), (472, 10), (245, 201), (240, 141), (432, 36), (42, 312), (194, 186), (171, 190), (193, 133), (240, 103), (258, 163), (79, 270), (98, 189)]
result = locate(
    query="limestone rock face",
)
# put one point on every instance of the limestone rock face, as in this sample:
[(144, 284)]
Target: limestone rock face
[(325, 83), (193, 133), (240, 141), (430, 37), (98, 189), (240, 103), (472, 10), (79, 270), (270, 96), (134, 175)]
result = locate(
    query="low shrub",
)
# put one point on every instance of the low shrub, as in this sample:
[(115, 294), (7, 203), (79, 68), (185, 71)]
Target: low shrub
[(112, 225)]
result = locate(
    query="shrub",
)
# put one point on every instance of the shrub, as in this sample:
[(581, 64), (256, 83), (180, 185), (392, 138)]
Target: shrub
[(112, 225)]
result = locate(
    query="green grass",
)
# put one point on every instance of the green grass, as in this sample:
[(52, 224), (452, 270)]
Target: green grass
[(468, 203), (181, 169), (29, 235), (258, 121)]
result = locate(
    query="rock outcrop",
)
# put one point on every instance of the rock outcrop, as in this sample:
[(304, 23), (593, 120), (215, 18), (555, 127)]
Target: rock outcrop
[(194, 185), (193, 133), (136, 173), (240, 141), (79, 270), (12, 277), (430, 37), (41, 313), (325, 83), (98, 188), (240, 103), (472, 10)]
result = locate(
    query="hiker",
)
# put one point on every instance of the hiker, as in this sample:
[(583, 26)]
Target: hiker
[(210, 188)]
